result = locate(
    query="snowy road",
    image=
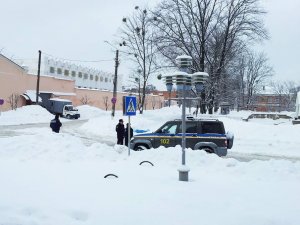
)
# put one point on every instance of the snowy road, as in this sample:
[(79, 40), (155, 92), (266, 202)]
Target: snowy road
[(71, 127)]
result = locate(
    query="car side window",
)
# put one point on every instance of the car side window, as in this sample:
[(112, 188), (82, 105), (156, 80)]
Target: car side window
[(212, 128), (190, 128), (169, 128)]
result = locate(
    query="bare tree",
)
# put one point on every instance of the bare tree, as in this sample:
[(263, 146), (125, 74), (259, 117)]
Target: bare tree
[(13, 101), (138, 37), (256, 74), (106, 102), (213, 33), (286, 92), (85, 100), (153, 102)]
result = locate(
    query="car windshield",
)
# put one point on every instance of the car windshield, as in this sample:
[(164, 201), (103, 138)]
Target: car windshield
[(169, 128), (69, 108)]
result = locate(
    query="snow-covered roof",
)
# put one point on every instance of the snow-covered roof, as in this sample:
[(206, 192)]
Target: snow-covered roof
[(60, 100), (267, 90), (59, 93), (31, 94)]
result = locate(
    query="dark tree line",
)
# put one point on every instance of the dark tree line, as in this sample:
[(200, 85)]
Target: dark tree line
[(215, 33)]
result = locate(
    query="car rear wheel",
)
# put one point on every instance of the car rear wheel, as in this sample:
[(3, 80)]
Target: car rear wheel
[(207, 149), (140, 147)]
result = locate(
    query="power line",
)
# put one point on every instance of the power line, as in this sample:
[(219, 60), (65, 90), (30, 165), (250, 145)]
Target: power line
[(77, 60)]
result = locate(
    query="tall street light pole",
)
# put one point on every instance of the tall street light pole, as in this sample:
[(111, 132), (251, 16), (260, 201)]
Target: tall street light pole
[(184, 80), (38, 79), (114, 99)]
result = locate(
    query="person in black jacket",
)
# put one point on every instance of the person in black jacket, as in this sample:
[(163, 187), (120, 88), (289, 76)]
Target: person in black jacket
[(55, 124), (120, 132), (126, 134)]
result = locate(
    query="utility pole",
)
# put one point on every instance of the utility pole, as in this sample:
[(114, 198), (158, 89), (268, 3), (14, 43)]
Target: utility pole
[(114, 99), (38, 79)]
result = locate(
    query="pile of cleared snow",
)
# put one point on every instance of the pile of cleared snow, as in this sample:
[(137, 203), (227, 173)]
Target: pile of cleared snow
[(87, 112), (54, 179), (104, 125), (25, 115)]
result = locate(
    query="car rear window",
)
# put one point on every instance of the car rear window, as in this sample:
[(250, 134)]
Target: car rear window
[(212, 128)]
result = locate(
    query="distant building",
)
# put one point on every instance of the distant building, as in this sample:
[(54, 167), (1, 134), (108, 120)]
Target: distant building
[(269, 101), (84, 77), (18, 85)]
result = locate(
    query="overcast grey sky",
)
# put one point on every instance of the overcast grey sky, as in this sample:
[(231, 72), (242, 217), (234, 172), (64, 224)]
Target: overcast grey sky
[(75, 29)]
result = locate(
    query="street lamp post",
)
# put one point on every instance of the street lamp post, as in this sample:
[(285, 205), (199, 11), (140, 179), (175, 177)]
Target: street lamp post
[(184, 80), (115, 84)]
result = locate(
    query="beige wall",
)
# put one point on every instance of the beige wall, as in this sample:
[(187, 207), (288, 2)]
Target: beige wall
[(13, 79)]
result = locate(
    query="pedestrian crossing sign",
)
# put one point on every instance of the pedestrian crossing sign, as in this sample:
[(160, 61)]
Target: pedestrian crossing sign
[(129, 105)]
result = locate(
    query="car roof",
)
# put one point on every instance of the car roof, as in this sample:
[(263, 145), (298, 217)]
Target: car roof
[(198, 120)]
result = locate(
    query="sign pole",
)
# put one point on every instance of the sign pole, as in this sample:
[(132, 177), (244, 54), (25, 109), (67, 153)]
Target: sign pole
[(129, 109), (128, 133), (1, 103)]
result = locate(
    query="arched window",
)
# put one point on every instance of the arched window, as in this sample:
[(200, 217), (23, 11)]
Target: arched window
[(80, 74), (96, 78), (73, 74), (101, 79), (91, 77)]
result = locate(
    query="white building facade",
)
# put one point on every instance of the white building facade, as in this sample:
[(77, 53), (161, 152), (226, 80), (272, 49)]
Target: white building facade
[(84, 77)]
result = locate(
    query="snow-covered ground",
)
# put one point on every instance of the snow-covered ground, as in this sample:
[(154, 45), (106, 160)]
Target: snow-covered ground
[(48, 178)]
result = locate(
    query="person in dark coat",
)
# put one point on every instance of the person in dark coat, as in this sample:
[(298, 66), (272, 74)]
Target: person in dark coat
[(126, 134), (120, 132), (55, 124)]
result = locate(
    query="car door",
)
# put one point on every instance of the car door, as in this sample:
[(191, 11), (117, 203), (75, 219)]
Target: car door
[(166, 135), (190, 135)]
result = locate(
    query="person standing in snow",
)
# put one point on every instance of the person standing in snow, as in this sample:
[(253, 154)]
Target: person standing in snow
[(126, 134), (120, 132), (55, 124)]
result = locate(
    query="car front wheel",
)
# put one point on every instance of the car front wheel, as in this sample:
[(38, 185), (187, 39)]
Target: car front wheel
[(140, 147)]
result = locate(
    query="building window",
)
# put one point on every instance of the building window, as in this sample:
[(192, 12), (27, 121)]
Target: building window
[(96, 78), (85, 76), (59, 71), (91, 77), (73, 74), (80, 74), (66, 72), (52, 69), (101, 79), (106, 79)]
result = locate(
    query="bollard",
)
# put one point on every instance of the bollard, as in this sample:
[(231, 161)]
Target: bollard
[(183, 173)]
